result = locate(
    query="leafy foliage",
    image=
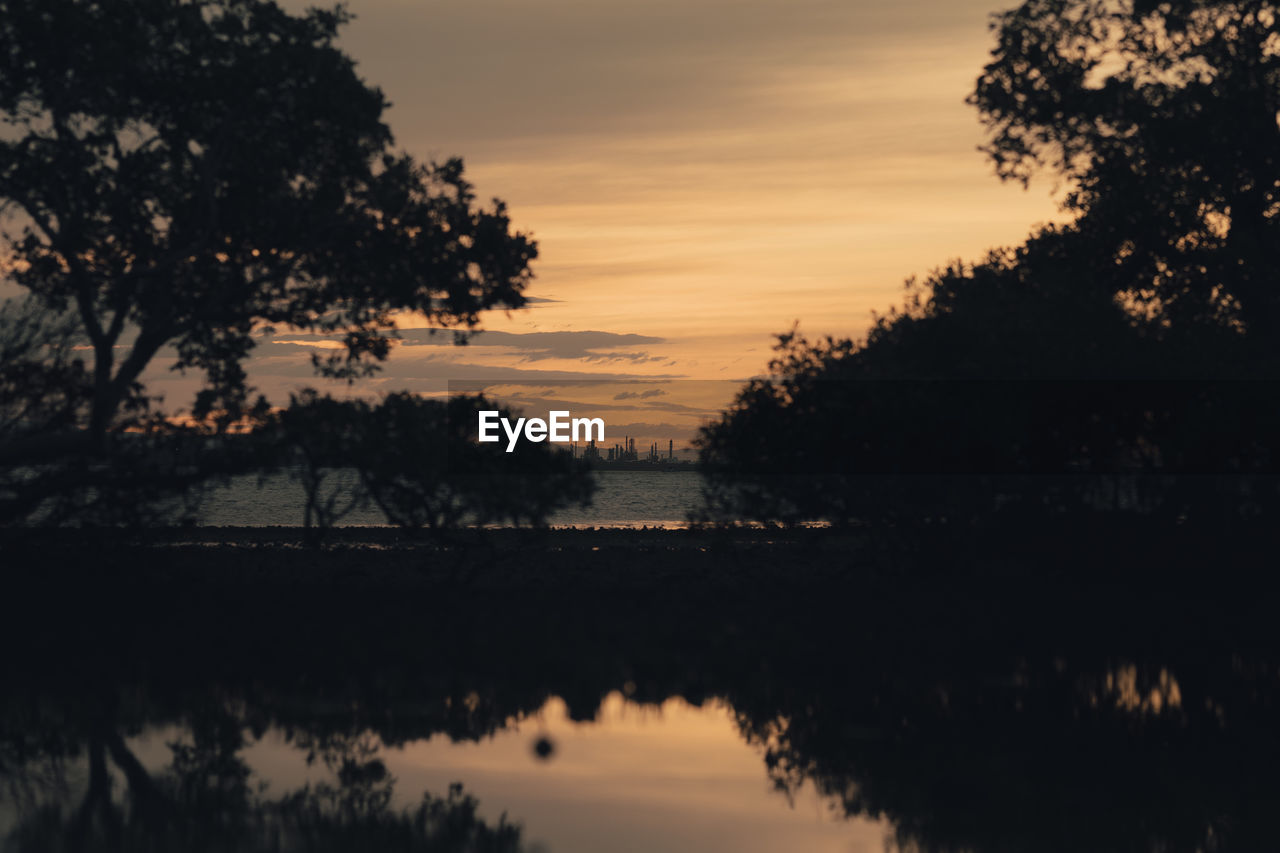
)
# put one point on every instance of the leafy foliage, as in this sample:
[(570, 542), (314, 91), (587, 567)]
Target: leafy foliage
[(1163, 118), (1086, 369), (417, 460), (176, 176), (43, 384), (1000, 387), (181, 173)]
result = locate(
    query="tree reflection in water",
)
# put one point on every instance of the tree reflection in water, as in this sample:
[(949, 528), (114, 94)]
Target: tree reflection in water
[(205, 800), (972, 711)]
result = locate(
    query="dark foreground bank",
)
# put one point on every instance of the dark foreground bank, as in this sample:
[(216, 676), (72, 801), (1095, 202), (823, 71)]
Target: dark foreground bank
[(1090, 688)]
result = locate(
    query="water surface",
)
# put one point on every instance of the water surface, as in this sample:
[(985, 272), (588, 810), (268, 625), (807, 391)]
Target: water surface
[(623, 499), (778, 697), (639, 777)]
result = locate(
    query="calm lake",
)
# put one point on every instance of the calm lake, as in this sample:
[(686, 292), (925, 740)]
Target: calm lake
[(633, 691), (748, 708), (623, 499), (671, 777)]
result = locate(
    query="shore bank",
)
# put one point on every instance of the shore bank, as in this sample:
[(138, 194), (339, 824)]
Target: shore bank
[(1053, 566)]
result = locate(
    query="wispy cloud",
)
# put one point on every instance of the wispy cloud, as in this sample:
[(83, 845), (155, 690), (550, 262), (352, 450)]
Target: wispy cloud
[(640, 395), (587, 346)]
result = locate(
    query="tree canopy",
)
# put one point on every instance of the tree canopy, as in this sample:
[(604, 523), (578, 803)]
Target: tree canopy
[(1081, 369), (180, 173), (176, 178), (417, 461), (1163, 119)]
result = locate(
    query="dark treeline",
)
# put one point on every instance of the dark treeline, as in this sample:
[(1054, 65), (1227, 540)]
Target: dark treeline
[(1111, 348), (974, 708)]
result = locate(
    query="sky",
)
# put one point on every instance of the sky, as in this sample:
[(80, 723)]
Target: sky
[(699, 174), (704, 173)]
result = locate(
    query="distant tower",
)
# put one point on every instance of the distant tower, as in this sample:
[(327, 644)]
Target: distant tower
[(671, 449)]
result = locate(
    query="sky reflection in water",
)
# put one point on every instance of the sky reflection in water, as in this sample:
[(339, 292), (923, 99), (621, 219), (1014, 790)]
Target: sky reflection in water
[(674, 777)]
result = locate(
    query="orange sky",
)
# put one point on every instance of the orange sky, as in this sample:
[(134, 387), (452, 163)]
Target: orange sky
[(698, 173)]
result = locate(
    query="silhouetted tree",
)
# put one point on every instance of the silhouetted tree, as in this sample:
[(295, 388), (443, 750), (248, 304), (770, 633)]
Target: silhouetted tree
[(178, 175), (1162, 116), (43, 384), (418, 461), (317, 437), (45, 389), (1026, 380), (961, 386)]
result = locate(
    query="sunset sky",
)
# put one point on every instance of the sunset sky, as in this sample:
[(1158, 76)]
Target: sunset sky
[(698, 174)]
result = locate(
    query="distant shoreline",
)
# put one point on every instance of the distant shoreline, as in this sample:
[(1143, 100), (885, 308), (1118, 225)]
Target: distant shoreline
[(1082, 547), (632, 497), (644, 466), (388, 536)]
